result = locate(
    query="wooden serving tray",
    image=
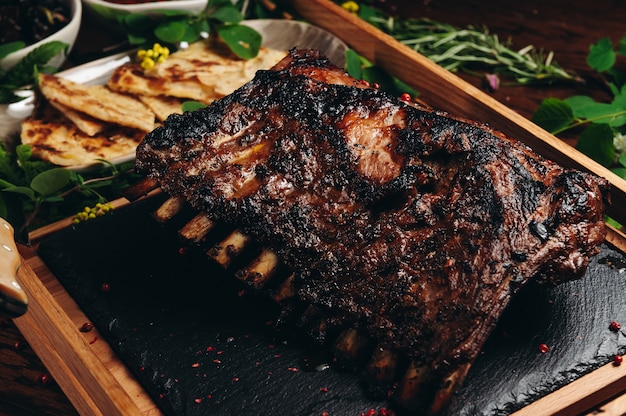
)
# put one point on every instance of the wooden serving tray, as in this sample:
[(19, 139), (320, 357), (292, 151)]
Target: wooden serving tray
[(82, 363), (97, 382)]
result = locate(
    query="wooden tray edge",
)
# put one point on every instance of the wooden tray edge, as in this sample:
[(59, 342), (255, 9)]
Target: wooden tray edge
[(582, 395), (105, 386), (466, 100)]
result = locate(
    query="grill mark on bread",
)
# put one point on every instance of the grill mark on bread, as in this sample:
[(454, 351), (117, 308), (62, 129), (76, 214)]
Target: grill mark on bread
[(97, 101)]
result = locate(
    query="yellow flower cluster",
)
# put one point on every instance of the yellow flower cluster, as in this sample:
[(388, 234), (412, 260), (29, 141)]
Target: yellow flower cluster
[(150, 57), (92, 212), (351, 6)]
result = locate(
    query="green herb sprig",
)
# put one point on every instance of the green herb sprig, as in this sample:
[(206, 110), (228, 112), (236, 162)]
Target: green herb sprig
[(469, 49), (173, 27), (34, 193), (603, 124), (25, 71), (360, 68)]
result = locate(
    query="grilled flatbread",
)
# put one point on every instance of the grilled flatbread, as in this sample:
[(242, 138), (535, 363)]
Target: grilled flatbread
[(97, 101), (83, 122), (54, 138), (203, 72), (130, 79), (162, 106), (93, 122)]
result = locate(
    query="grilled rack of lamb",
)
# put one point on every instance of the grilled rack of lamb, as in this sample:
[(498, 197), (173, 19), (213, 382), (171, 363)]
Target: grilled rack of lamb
[(401, 225)]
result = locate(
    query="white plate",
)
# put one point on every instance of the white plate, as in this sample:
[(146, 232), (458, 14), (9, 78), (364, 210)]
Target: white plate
[(96, 72), (288, 34), (277, 34), (107, 9)]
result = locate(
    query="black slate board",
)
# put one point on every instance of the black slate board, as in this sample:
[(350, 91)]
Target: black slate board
[(199, 347)]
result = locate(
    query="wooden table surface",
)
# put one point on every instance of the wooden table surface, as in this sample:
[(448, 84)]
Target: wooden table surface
[(566, 27)]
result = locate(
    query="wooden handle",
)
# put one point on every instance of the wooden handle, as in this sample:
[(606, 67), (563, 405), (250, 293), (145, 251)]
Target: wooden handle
[(13, 300)]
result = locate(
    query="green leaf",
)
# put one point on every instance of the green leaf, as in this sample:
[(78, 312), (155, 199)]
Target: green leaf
[(402, 87), (173, 12), (388, 83), (51, 181), (23, 72), (137, 22), (107, 12), (553, 114), (620, 96), (192, 105), (622, 160), (621, 172), (220, 3), (596, 141), (9, 169), (619, 102), (601, 55), (53, 198), (22, 190), (31, 168), (192, 32), (6, 184), (612, 222), (11, 47), (171, 32), (7, 96), (600, 113), (622, 46), (242, 40), (100, 184), (227, 14), (137, 40), (367, 13), (353, 64), (578, 102), (203, 26)]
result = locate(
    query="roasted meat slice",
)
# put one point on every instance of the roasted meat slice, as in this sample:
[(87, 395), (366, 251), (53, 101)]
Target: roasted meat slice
[(410, 225)]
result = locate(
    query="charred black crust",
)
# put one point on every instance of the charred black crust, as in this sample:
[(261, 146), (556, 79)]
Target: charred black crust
[(419, 261)]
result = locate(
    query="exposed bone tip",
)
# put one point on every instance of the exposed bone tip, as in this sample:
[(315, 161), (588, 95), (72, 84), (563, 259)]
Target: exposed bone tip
[(169, 209), (140, 189), (449, 385)]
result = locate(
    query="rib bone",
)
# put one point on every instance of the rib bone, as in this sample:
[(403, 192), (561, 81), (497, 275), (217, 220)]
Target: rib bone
[(285, 290), (141, 188), (452, 382), (169, 209), (224, 252), (382, 370), (351, 347), (196, 230), (258, 273), (410, 394)]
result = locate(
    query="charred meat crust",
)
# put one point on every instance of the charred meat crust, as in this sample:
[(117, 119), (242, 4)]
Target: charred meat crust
[(409, 224)]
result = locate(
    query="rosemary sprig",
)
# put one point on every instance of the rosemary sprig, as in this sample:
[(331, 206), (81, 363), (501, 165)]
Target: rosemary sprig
[(469, 48)]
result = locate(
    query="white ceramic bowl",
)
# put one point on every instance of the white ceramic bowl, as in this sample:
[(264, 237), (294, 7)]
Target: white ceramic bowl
[(9, 126), (67, 35), (286, 34), (108, 10)]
